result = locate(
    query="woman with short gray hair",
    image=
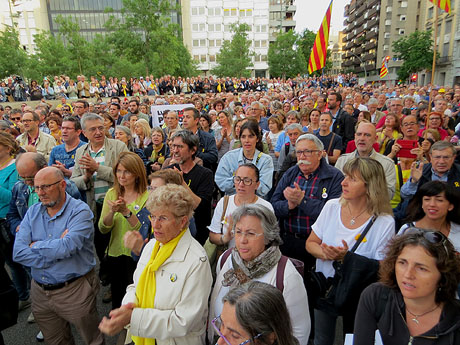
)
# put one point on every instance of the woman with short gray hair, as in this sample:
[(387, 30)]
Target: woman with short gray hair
[(257, 257)]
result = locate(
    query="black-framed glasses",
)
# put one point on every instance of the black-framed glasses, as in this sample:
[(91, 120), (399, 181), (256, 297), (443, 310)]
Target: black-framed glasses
[(434, 237), (217, 324), (246, 180), (44, 187), (306, 153)]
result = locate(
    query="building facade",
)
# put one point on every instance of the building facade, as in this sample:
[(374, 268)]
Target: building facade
[(371, 28), (207, 23)]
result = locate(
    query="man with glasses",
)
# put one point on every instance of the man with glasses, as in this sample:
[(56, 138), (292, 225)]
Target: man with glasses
[(134, 110), (63, 156), (396, 108), (56, 241), (197, 179), (301, 194), (34, 140), (80, 107), (258, 113), (92, 171), (441, 168), (15, 117), (409, 128)]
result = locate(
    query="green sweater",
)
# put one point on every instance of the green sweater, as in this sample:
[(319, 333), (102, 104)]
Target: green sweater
[(120, 225)]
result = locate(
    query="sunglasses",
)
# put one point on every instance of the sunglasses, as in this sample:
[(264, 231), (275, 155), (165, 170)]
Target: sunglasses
[(434, 237)]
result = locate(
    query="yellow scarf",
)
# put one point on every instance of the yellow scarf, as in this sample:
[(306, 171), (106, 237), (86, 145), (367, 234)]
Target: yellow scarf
[(146, 288)]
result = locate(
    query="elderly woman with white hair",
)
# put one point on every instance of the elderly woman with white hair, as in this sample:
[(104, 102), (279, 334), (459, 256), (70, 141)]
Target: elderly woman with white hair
[(168, 301), (257, 257)]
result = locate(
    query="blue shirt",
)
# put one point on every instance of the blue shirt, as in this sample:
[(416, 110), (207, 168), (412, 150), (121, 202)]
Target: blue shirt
[(54, 259), (58, 153), (8, 177)]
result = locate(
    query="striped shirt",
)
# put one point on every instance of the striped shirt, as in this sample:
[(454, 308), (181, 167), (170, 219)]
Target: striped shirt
[(100, 186)]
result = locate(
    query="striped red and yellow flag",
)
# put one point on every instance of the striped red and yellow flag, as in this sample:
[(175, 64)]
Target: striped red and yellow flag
[(384, 69), (442, 4), (319, 52)]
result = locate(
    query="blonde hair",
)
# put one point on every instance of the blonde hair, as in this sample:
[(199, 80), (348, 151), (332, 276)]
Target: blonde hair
[(145, 127), (173, 197), (371, 172)]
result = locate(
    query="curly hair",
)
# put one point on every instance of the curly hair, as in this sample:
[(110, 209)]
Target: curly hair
[(447, 262)]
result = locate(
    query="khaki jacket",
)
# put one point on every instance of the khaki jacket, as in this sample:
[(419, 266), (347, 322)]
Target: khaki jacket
[(113, 148), (43, 145)]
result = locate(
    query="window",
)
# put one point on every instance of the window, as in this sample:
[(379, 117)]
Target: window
[(212, 58), (212, 43), (448, 27), (202, 27), (386, 47), (233, 12), (218, 43), (402, 31), (389, 9), (242, 13), (194, 11), (226, 12), (257, 44), (196, 57), (386, 35), (202, 58), (430, 12), (195, 43), (445, 49), (201, 11), (402, 18), (194, 27), (388, 22), (249, 13), (202, 43), (227, 28), (403, 3), (263, 44)]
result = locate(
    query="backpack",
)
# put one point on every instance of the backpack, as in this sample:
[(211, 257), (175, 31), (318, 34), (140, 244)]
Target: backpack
[(299, 266)]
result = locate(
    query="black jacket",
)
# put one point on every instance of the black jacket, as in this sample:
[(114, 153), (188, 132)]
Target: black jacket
[(383, 308), (453, 176), (344, 125)]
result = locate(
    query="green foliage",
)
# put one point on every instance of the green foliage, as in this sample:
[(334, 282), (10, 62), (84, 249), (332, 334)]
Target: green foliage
[(284, 59), (416, 51), (234, 56), (12, 56), (305, 43)]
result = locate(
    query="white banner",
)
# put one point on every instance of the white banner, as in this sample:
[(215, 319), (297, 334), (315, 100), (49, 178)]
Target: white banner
[(157, 112)]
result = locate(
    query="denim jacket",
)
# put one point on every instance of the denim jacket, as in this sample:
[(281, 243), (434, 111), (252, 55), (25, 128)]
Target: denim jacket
[(20, 198)]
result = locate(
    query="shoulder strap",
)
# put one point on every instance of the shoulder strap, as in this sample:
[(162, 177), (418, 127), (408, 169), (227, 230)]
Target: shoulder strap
[(363, 234), (280, 273), (225, 256), (330, 143), (400, 176), (383, 299), (224, 210), (258, 157), (286, 148)]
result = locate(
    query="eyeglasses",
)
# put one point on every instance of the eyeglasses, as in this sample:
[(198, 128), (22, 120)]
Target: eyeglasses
[(44, 187), (306, 153), (250, 235), (246, 180), (94, 129), (27, 121), (15, 118), (435, 118), (161, 219), (407, 124), (433, 237), (217, 324)]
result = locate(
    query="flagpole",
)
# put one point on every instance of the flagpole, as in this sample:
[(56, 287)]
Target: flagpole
[(435, 50)]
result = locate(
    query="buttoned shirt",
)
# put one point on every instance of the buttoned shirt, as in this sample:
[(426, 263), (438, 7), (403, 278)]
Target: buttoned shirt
[(53, 259)]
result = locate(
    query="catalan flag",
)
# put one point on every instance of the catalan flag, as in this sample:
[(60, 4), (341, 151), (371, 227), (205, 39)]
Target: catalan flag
[(319, 52), (384, 69), (442, 4)]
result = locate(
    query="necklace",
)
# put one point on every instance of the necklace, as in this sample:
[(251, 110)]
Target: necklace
[(6, 162), (353, 219), (415, 317)]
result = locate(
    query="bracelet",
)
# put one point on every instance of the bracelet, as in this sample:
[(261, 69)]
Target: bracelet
[(128, 215)]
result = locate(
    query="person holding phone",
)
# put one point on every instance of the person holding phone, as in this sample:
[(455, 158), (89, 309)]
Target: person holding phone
[(400, 147)]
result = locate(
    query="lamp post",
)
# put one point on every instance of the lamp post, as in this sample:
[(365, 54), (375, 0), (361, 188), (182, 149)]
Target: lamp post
[(364, 66)]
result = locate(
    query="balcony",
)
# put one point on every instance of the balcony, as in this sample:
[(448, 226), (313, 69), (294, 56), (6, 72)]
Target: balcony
[(356, 61), (345, 22), (358, 69), (344, 39), (372, 12), (371, 34), (347, 63), (371, 3), (370, 56), (361, 10), (358, 50), (373, 22), (370, 67), (360, 21), (349, 45), (370, 45)]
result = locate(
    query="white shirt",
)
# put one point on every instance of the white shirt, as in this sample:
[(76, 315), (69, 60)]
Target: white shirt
[(330, 229)]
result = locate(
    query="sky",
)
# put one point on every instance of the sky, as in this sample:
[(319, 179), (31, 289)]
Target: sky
[(310, 13)]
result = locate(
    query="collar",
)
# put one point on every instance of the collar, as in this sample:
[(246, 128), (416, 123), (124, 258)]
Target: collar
[(58, 213)]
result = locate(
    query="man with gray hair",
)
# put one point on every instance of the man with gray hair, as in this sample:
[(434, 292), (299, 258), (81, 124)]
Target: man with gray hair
[(287, 153), (301, 194), (92, 172), (258, 113), (372, 106)]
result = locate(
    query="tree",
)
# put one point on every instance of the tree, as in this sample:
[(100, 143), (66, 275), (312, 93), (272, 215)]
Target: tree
[(234, 56), (305, 43), (12, 56), (146, 35), (284, 60), (416, 51)]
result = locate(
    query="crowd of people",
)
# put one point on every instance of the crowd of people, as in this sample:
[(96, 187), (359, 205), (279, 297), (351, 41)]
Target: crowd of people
[(229, 220)]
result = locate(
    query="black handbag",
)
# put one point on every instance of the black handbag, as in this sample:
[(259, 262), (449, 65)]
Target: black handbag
[(352, 275)]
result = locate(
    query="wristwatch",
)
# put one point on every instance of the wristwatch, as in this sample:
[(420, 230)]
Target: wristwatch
[(128, 215)]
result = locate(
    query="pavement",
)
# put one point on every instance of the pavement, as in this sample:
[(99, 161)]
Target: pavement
[(24, 333)]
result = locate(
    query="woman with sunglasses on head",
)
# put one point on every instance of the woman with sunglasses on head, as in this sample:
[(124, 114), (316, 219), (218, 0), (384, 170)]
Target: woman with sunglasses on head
[(415, 301), (254, 313), (257, 257), (436, 206)]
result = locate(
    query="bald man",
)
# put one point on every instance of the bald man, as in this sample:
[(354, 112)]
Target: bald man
[(55, 239)]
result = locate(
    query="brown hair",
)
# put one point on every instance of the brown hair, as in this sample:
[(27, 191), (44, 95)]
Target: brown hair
[(447, 262), (168, 175), (134, 164), (7, 140), (54, 118)]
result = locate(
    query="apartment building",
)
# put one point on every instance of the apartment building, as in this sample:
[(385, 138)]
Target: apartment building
[(371, 28), (206, 24)]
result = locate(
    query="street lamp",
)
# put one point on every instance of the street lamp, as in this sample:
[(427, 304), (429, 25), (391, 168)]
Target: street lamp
[(364, 66)]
